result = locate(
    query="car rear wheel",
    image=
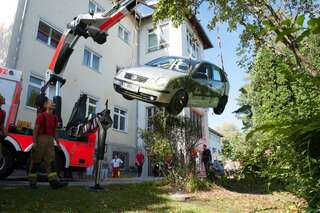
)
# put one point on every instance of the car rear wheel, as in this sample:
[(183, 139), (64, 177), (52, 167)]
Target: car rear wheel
[(177, 103), (6, 162), (127, 97), (221, 105)]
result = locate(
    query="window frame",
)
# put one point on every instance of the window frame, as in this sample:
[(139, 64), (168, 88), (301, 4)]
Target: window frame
[(92, 52), (97, 6), (51, 30), (123, 31), (120, 115), (90, 104), (193, 45), (34, 85), (160, 45)]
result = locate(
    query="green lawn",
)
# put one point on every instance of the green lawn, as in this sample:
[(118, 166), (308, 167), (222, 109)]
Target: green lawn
[(146, 197)]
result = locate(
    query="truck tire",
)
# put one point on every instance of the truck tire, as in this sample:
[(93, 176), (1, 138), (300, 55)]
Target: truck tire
[(6, 162)]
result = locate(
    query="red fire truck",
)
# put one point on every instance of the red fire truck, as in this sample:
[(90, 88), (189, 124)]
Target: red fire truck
[(76, 153), (79, 143)]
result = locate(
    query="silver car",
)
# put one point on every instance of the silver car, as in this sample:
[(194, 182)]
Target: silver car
[(175, 83)]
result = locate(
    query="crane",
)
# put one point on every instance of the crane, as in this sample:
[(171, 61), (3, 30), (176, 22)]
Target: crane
[(96, 26)]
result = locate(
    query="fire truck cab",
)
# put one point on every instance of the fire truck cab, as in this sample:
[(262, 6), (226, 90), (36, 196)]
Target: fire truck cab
[(76, 152)]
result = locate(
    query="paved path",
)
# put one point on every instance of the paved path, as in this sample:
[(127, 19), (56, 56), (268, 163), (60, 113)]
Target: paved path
[(19, 179), (14, 183)]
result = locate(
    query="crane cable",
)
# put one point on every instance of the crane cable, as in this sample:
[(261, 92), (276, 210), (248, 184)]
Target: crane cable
[(220, 47)]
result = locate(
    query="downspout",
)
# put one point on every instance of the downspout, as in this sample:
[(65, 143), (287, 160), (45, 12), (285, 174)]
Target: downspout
[(138, 63), (19, 38)]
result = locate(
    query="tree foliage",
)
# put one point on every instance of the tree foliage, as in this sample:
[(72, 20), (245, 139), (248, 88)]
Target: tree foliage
[(262, 21), (171, 144), (283, 141)]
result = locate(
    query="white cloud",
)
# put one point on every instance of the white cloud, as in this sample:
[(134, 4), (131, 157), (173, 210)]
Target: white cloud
[(8, 10)]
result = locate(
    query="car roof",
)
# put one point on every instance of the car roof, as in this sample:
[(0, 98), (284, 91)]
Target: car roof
[(180, 57), (193, 60)]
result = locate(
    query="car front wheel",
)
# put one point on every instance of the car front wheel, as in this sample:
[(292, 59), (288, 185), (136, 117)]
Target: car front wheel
[(177, 103), (221, 105)]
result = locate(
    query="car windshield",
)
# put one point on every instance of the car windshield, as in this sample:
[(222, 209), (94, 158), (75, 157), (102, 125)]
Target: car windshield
[(174, 63)]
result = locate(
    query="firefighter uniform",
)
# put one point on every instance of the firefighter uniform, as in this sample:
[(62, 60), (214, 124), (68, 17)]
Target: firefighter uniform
[(44, 148)]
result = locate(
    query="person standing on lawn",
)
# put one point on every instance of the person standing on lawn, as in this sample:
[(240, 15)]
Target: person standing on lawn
[(206, 158), (139, 162), (44, 134), (3, 131), (115, 164)]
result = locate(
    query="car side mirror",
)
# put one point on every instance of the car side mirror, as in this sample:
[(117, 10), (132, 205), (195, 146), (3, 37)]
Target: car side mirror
[(199, 75)]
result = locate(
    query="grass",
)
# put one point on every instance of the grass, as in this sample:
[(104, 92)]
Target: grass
[(145, 197)]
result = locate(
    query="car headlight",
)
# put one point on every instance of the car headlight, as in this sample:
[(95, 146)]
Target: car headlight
[(162, 82)]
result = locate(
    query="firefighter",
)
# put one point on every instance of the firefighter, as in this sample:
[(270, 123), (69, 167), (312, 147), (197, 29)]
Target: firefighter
[(45, 132)]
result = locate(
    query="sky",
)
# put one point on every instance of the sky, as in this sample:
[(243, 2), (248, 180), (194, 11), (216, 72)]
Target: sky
[(236, 75), (7, 11)]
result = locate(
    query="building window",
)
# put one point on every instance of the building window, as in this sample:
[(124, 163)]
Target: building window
[(193, 45), (120, 118), (91, 106), (151, 112), (48, 35), (34, 88), (91, 59), (94, 7), (196, 119), (158, 38), (123, 34)]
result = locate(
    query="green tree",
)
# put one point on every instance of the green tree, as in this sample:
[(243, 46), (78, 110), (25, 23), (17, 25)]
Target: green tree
[(170, 144), (283, 142)]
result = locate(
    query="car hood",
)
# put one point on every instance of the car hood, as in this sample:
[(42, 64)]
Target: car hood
[(154, 72)]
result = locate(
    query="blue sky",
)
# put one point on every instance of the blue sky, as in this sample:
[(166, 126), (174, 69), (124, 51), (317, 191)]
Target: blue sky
[(236, 75)]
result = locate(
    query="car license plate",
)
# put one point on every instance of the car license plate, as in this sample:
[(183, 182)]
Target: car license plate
[(130, 87)]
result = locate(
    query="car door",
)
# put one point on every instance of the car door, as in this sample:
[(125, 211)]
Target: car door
[(216, 84), (199, 89)]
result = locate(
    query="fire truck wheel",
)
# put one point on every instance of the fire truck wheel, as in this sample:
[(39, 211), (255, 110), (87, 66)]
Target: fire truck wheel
[(6, 162)]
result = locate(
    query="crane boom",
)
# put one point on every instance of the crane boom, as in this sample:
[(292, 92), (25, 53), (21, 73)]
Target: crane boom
[(94, 25)]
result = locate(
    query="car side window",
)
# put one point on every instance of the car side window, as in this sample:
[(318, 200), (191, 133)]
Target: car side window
[(203, 72), (216, 74)]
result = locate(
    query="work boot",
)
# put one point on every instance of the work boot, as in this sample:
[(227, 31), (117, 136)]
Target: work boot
[(55, 184)]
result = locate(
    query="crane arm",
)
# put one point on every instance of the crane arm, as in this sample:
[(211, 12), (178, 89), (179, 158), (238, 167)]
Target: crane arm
[(94, 25)]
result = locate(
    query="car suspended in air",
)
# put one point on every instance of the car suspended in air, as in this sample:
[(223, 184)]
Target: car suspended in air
[(175, 83)]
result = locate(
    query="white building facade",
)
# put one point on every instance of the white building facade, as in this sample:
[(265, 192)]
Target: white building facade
[(215, 144), (35, 33)]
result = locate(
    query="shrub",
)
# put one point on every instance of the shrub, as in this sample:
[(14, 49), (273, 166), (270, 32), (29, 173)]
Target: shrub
[(195, 184)]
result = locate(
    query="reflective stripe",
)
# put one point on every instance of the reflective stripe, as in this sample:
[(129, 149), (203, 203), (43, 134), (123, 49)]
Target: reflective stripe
[(32, 175), (52, 174)]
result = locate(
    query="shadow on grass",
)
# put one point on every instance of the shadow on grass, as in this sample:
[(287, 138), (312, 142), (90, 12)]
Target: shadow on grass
[(115, 198), (249, 186)]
